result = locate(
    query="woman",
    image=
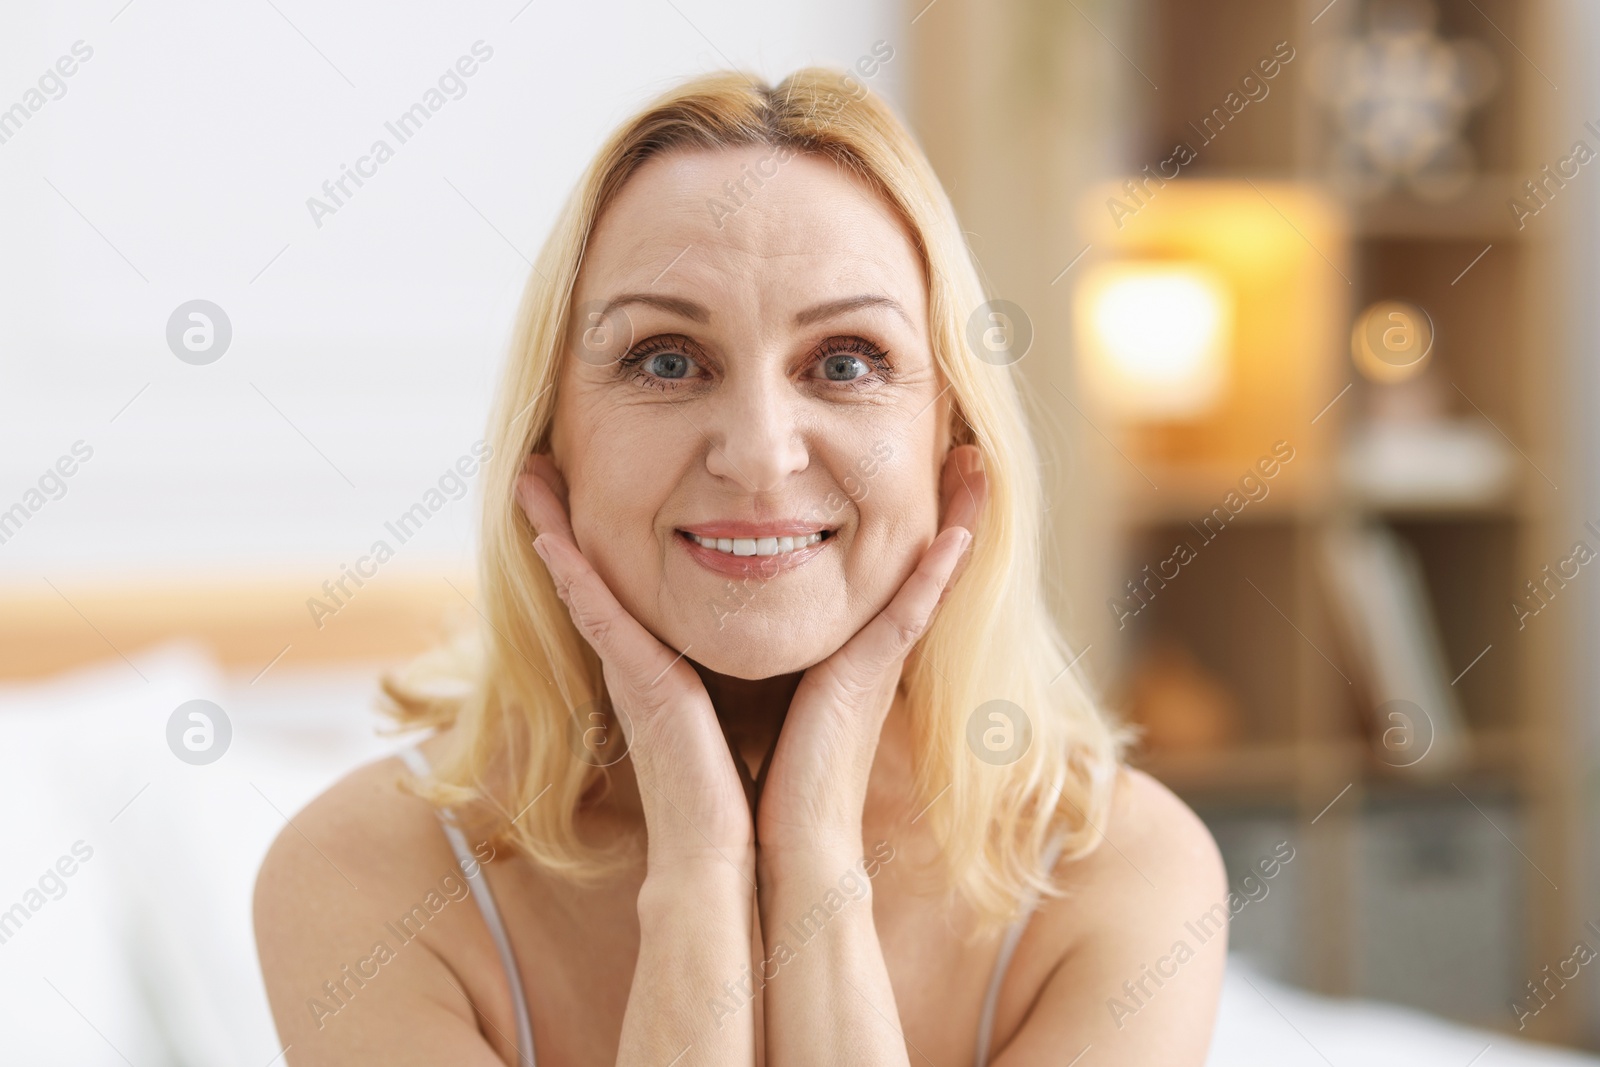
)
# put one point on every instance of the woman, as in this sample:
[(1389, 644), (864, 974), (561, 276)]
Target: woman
[(767, 750)]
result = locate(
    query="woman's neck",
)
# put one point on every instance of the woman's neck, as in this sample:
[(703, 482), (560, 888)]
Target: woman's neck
[(751, 711)]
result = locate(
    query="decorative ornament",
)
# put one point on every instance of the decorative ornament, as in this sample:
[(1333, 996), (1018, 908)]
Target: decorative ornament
[(1402, 96)]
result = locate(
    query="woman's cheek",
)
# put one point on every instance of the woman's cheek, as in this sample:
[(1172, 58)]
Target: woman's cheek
[(614, 528), (899, 518), (855, 488)]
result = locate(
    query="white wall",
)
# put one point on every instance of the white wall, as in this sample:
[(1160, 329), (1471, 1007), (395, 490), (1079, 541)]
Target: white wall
[(177, 165)]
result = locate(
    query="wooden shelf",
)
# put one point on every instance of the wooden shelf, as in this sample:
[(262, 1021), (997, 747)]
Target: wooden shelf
[(1508, 508), (1478, 213), (1187, 494), (1266, 769), (1177, 504), (1276, 770)]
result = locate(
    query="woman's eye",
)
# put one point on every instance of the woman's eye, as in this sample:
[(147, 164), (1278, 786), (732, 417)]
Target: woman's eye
[(670, 365), (664, 363), (855, 362), (843, 367)]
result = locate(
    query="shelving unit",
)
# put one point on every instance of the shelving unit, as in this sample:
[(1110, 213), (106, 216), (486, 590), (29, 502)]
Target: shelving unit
[(1024, 109), (1254, 610)]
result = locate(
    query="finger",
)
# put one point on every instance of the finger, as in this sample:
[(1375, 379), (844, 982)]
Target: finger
[(542, 492), (544, 465), (887, 639), (964, 488), (964, 491), (615, 635)]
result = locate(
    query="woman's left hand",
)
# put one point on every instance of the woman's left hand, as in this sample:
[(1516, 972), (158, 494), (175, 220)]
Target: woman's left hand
[(815, 790)]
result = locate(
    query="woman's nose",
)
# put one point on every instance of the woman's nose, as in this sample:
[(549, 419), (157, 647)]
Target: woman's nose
[(754, 433)]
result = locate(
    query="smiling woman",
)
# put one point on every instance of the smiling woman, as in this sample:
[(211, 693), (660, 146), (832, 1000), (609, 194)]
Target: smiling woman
[(760, 539)]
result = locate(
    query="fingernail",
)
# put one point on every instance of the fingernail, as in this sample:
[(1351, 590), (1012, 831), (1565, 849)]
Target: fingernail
[(966, 540), (537, 547)]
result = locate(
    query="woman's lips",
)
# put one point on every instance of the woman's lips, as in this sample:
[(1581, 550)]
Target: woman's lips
[(767, 566), (769, 545), (738, 528)]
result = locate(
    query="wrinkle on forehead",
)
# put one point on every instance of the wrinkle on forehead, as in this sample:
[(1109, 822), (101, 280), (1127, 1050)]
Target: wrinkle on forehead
[(660, 225)]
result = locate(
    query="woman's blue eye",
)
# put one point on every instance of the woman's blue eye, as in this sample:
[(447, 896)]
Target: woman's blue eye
[(840, 367), (668, 365), (664, 362)]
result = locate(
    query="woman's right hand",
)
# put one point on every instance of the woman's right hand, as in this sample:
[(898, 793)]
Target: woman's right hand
[(694, 801), (697, 905)]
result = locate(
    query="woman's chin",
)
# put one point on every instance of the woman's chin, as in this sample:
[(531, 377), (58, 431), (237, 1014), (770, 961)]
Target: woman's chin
[(752, 656)]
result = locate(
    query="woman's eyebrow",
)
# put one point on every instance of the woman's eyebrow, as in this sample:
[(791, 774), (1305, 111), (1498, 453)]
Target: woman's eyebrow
[(675, 305), (699, 313), (833, 308)]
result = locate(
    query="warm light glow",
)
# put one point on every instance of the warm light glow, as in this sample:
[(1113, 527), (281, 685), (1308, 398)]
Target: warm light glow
[(1155, 336), (1391, 340)]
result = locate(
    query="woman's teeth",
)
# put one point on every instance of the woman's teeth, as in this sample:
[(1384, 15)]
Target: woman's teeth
[(757, 546)]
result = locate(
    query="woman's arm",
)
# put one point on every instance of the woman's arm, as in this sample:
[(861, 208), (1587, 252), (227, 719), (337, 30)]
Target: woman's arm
[(694, 944), (697, 902), (829, 1001), (828, 996)]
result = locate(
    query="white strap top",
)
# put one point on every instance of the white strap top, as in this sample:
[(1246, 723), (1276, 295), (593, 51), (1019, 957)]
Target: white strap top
[(491, 914), (418, 763)]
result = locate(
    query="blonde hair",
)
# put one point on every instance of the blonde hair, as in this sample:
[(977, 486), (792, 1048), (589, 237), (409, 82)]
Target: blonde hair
[(519, 676)]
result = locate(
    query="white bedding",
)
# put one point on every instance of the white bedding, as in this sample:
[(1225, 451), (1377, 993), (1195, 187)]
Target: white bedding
[(144, 953)]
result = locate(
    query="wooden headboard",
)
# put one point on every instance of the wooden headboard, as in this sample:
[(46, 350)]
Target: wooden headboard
[(249, 625)]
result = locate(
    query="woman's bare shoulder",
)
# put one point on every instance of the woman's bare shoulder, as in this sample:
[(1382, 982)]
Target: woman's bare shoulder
[(1128, 914), (1151, 821), (1151, 858), (362, 928), (1152, 850), (366, 823)]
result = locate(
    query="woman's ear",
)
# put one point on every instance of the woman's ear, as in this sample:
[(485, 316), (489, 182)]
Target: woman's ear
[(964, 488)]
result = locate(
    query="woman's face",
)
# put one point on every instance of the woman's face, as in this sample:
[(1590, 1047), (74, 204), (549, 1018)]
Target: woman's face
[(749, 369)]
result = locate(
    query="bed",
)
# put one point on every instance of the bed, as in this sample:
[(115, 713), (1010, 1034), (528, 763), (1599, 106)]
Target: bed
[(133, 873)]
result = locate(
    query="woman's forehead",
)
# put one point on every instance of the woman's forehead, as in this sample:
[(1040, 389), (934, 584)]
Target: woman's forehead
[(794, 230)]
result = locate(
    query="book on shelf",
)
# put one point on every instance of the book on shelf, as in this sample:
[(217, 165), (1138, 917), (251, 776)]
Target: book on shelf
[(1380, 601)]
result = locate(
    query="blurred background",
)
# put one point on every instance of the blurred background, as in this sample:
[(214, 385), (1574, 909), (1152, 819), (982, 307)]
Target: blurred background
[(1301, 294)]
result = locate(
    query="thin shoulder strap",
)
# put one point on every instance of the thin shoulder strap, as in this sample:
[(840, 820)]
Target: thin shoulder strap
[(413, 757), (1008, 947)]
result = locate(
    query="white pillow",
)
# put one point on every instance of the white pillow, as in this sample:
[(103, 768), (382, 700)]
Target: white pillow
[(1263, 1023), (73, 991), (151, 939), (199, 835)]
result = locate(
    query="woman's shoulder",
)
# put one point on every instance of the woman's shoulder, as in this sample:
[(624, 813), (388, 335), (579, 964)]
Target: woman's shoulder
[(1152, 857), (1128, 906), (365, 823), (1154, 823), (359, 882)]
